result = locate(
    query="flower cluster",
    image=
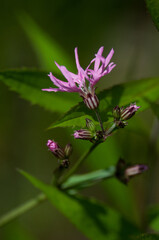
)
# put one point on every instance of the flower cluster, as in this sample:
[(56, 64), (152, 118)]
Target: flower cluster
[(84, 83), (85, 80)]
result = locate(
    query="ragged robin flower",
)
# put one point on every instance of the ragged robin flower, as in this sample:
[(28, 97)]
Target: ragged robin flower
[(85, 80)]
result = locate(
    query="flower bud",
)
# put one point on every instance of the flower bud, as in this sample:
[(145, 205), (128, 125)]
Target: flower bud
[(68, 150), (56, 149), (84, 134), (116, 112), (91, 101), (125, 172), (128, 112), (90, 125)]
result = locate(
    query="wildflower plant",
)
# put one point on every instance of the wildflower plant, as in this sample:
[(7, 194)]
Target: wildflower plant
[(95, 119)]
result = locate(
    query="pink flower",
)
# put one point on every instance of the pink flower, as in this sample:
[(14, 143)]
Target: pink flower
[(102, 66), (77, 82)]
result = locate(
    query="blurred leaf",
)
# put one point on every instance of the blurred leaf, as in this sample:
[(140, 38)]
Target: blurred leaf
[(153, 216), (92, 218), (17, 232), (88, 179), (153, 7), (47, 49), (123, 94), (28, 83), (155, 108), (146, 237), (118, 195)]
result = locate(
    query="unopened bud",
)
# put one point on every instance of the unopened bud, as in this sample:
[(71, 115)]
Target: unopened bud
[(91, 101), (90, 125), (84, 134), (116, 112), (128, 112), (56, 149), (125, 172), (68, 150)]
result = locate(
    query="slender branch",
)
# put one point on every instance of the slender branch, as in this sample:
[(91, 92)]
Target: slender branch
[(78, 163), (111, 129), (99, 120), (8, 217)]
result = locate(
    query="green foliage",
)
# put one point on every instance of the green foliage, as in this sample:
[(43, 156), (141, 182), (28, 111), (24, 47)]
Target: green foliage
[(47, 49), (147, 237), (122, 95), (92, 218), (28, 83), (88, 179), (153, 7)]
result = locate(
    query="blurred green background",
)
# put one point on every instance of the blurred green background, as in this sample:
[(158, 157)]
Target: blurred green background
[(127, 27)]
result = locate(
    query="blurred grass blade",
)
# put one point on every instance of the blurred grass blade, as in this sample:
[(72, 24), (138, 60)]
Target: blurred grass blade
[(153, 7), (47, 49), (28, 83), (88, 179), (93, 219), (123, 94)]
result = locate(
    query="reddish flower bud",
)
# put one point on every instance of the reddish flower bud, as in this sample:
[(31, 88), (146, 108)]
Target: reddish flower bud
[(84, 134), (125, 172), (128, 112), (56, 149), (91, 101)]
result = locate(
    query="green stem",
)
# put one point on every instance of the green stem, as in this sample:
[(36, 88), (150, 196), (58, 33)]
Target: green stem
[(99, 120), (78, 163), (111, 129), (8, 217)]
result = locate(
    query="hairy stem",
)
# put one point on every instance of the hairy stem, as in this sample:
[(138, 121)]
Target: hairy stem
[(78, 163), (8, 217), (99, 120)]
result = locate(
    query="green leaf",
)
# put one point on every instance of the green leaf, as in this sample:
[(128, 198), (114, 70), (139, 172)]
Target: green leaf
[(88, 179), (47, 49), (92, 218), (153, 7), (136, 91), (28, 83)]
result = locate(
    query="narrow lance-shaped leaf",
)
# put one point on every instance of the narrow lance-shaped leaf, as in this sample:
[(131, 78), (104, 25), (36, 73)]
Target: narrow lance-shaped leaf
[(123, 94), (28, 83), (92, 218), (89, 179)]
